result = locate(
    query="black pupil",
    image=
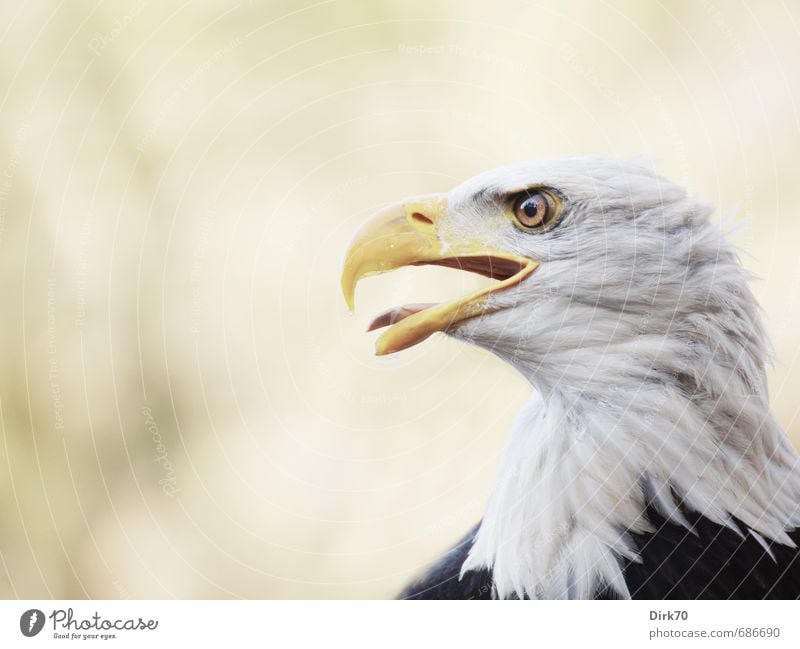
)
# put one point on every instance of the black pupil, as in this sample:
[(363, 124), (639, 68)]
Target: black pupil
[(531, 206)]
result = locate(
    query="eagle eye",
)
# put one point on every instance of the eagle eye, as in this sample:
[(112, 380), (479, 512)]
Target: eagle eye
[(536, 210)]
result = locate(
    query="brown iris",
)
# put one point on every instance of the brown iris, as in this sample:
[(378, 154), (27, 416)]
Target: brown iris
[(535, 210)]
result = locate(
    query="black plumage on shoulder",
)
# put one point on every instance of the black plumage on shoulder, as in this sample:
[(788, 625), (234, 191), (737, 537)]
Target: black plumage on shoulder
[(442, 581), (711, 561)]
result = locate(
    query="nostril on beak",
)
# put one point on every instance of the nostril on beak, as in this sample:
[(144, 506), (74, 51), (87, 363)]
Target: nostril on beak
[(421, 218)]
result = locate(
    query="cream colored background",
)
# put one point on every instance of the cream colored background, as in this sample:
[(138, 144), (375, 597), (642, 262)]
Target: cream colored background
[(178, 184)]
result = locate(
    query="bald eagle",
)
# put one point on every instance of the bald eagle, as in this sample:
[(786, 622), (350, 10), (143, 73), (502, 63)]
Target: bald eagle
[(647, 463)]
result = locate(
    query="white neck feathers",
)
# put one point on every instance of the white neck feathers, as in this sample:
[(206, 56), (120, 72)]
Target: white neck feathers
[(572, 479)]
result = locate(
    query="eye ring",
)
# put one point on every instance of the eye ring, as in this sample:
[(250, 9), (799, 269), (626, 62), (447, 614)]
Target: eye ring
[(536, 210)]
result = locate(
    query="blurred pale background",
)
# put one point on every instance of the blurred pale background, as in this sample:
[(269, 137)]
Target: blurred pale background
[(187, 408)]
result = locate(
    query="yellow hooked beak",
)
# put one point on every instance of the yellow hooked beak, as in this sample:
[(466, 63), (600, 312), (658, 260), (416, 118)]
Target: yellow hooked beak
[(406, 234)]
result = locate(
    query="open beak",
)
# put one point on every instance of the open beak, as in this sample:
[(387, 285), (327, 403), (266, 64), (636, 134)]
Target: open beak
[(406, 234)]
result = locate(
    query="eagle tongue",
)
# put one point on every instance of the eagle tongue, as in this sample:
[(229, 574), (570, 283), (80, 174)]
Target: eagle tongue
[(398, 313)]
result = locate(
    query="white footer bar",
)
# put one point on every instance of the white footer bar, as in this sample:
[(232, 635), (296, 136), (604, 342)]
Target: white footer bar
[(386, 624)]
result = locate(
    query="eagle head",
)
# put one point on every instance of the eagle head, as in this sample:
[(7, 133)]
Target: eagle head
[(629, 313)]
